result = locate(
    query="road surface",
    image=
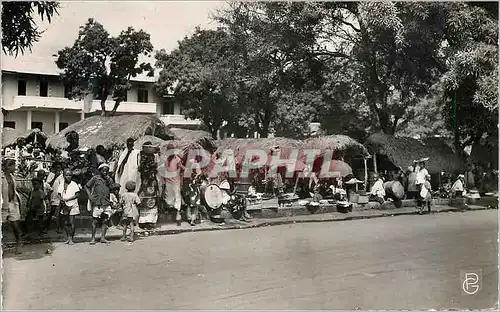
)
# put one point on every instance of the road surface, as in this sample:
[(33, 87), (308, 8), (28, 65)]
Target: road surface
[(406, 262)]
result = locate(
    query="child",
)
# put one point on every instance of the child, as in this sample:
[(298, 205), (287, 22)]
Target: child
[(36, 205), (98, 191), (129, 201), (115, 204), (426, 200), (68, 192)]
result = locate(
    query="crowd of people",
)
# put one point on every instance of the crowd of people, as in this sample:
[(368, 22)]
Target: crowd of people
[(122, 189)]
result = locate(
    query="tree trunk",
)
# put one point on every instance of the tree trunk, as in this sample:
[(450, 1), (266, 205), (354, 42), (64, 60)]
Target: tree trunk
[(117, 103), (214, 133), (104, 97)]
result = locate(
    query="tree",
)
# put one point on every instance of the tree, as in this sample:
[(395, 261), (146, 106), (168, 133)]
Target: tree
[(392, 50), (19, 29), (272, 63), (200, 74), (101, 64), (470, 83)]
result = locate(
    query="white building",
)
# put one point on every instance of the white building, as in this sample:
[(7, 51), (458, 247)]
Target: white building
[(39, 100)]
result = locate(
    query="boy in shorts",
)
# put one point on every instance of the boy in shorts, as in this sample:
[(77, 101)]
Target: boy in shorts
[(36, 204), (99, 195), (129, 202)]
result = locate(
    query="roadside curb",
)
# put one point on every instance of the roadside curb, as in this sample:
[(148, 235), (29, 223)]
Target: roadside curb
[(275, 222)]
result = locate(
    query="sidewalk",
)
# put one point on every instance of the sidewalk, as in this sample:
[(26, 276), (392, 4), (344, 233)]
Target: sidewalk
[(83, 234)]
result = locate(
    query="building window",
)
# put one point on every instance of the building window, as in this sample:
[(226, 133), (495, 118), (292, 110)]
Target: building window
[(44, 88), (63, 125), (37, 125), (21, 87), (168, 107), (9, 124), (142, 94)]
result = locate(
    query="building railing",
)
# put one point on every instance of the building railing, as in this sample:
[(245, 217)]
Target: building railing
[(23, 101), (179, 120), (125, 107)]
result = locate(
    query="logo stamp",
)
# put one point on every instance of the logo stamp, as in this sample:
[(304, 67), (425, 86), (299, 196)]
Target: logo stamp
[(471, 281)]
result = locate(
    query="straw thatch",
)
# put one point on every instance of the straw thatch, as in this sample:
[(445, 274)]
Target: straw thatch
[(112, 132), (199, 136), (265, 143), (402, 151), (148, 138), (10, 136), (337, 143)]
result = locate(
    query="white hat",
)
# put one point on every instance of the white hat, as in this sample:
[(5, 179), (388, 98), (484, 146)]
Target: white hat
[(225, 186), (103, 165)]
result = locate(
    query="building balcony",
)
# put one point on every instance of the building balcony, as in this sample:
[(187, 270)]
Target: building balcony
[(38, 102), (125, 107), (179, 120)]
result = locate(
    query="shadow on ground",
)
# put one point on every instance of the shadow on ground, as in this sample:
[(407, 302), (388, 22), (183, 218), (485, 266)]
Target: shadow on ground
[(30, 251)]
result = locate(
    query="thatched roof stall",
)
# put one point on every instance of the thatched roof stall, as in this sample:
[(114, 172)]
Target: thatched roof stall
[(341, 144), (402, 151), (112, 132), (148, 138), (201, 137), (10, 136), (240, 146)]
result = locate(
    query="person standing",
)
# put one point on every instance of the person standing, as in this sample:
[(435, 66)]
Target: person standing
[(128, 167), (68, 192), (55, 179), (36, 206), (99, 195), (420, 180), (426, 194), (129, 202), (173, 197), (10, 200), (412, 183)]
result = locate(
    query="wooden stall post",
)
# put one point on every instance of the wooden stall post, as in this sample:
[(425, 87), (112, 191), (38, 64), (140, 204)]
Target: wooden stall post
[(366, 174), (375, 163)]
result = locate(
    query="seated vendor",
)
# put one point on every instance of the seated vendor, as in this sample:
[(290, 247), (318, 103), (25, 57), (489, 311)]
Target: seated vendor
[(378, 192), (458, 188), (227, 194)]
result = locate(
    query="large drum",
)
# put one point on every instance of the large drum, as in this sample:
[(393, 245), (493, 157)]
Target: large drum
[(212, 196)]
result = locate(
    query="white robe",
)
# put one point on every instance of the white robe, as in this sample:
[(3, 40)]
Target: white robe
[(130, 171)]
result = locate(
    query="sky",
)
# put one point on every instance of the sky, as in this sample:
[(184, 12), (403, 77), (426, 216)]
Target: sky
[(166, 21)]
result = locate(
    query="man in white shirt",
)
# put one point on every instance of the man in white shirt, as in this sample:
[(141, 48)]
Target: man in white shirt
[(421, 174)]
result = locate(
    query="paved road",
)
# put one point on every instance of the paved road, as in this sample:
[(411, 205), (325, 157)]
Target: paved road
[(406, 262)]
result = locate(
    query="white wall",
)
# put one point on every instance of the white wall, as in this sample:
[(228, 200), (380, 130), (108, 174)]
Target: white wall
[(46, 117)]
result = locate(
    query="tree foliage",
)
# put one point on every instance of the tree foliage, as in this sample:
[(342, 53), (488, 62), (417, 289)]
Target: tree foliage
[(200, 75), (101, 64), (19, 29), (357, 67), (470, 83)]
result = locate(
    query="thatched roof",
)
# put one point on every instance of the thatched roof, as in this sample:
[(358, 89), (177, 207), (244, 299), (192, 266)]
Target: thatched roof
[(199, 136), (402, 151), (112, 132), (148, 138), (339, 143), (10, 136), (265, 143)]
